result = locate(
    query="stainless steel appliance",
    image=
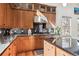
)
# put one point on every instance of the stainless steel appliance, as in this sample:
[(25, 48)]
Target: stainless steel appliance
[(39, 19), (39, 25)]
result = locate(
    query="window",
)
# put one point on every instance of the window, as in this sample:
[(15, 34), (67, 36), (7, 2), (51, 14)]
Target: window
[(66, 25)]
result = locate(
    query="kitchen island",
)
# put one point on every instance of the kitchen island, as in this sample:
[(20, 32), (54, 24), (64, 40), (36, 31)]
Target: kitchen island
[(39, 41)]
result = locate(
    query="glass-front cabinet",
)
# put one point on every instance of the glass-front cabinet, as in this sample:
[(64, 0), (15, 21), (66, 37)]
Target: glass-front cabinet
[(34, 7)]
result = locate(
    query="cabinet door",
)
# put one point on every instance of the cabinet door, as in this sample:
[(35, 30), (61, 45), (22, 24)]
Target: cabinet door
[(6, 53), (16, 18), (9, 21), (2, 14), (13, 49), (23, 19), (39, 42), (23, 44), (60, 52), (49, 49), (26, 19)]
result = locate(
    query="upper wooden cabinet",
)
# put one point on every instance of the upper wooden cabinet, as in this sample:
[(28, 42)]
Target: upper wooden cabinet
[(15, 17), (23, 19), (9, 18), (26, 19), (5, 16), (23, 16), (2, 14)]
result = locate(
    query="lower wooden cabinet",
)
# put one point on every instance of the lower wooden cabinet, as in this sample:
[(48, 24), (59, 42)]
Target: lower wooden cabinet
[(11, 50), (29, 43), (24, 43), (60, 52), (6, 53), (52, 50), (49, 49), (38, 42)]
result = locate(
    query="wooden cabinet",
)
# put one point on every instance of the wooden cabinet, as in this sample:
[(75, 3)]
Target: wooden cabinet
[(26, 19), (6, 53), (52, 50), (28, 43), (23, 19), (5, 16), (15, 18), (60, 52), (19, 18), (11, 50), (2, 14), (9, 18), (24, 44), (49, 49), (38, 42)]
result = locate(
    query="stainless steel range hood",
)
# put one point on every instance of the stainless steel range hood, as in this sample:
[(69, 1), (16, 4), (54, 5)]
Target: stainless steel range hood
[(39, 19)]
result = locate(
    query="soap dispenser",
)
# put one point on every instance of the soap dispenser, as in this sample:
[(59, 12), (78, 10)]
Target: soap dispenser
[(29, 31)]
